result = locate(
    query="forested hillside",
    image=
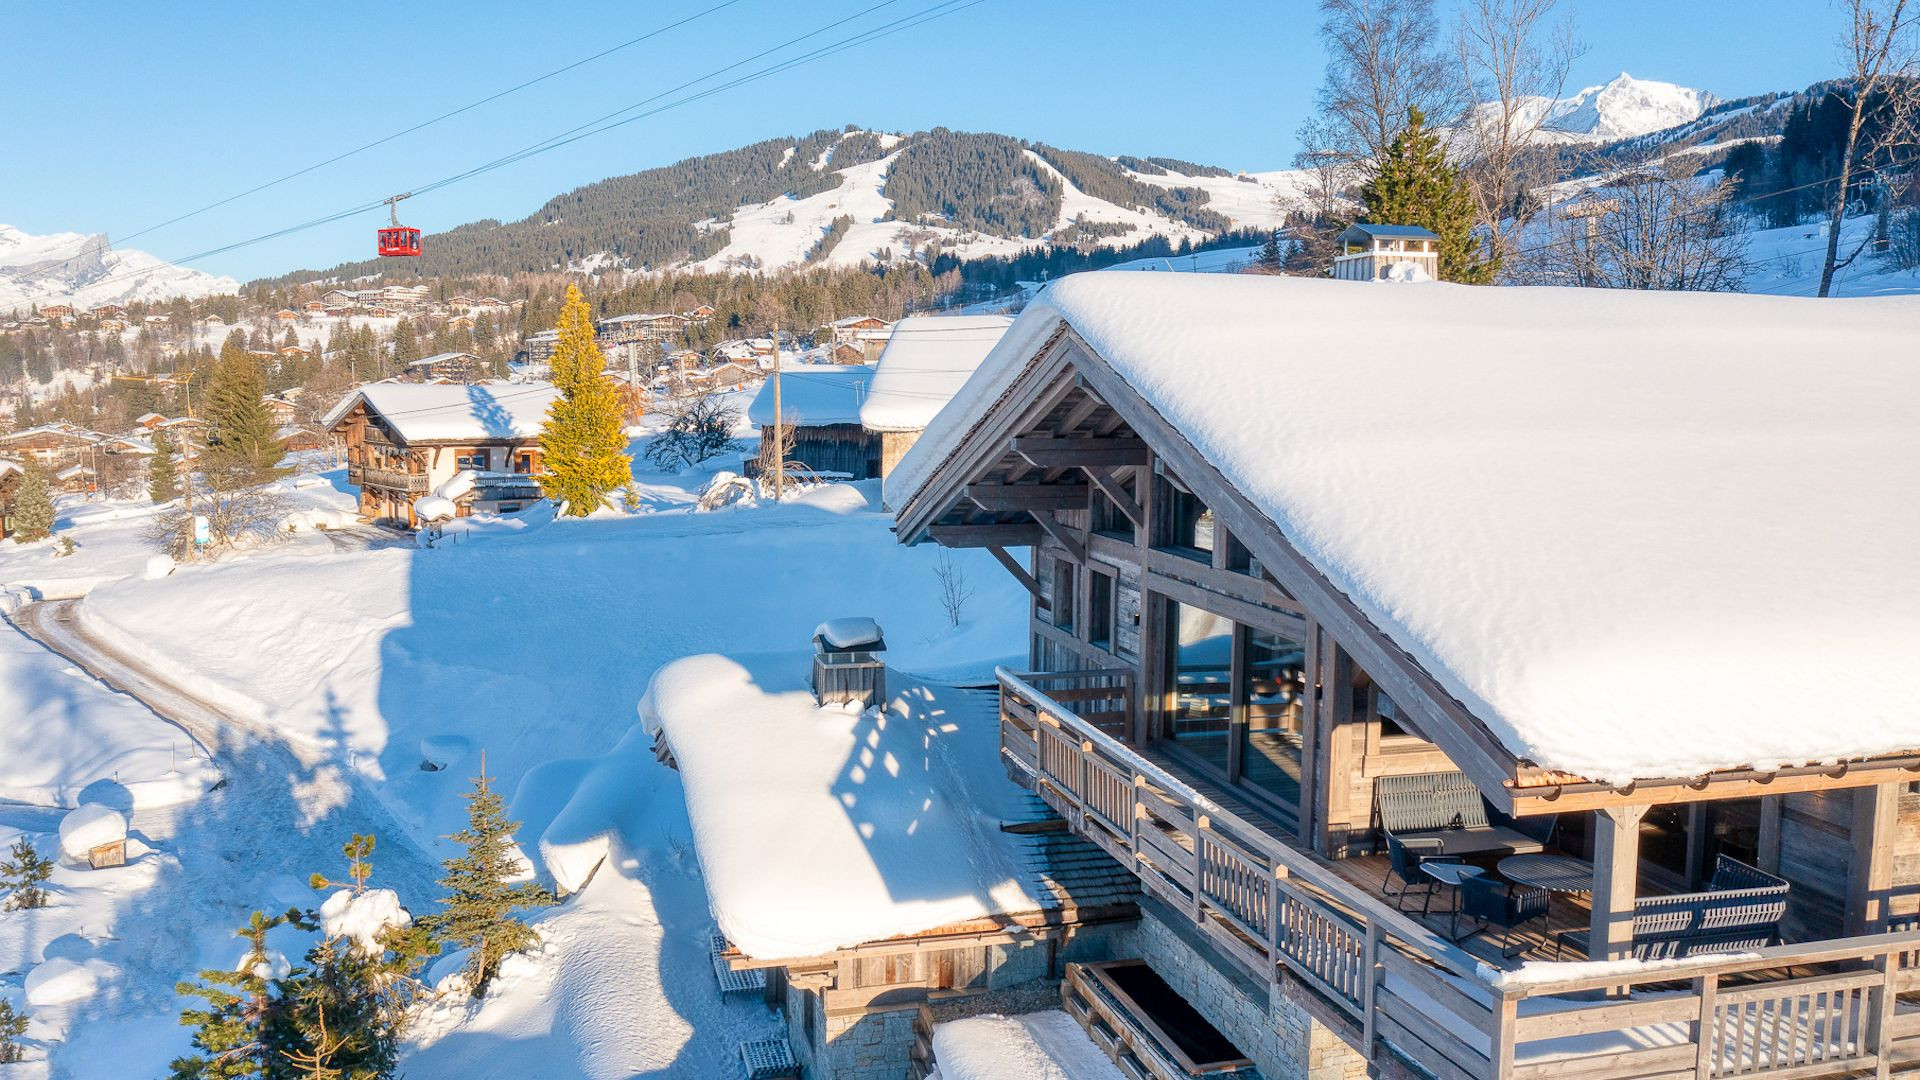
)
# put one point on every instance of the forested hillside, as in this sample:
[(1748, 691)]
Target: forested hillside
[(982, 184)]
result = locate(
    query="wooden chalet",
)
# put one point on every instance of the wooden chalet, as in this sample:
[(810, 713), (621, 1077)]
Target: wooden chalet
[(458, 367), (820, 405), (407, 440), (1328, 643), (55, 446)]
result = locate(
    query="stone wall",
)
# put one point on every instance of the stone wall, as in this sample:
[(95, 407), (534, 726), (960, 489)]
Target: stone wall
[(1283, 1041)]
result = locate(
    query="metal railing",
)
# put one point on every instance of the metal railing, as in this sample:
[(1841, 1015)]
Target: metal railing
[(1274, 908)]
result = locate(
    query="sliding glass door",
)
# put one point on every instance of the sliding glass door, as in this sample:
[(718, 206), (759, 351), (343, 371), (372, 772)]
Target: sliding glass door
[(1236, 702)]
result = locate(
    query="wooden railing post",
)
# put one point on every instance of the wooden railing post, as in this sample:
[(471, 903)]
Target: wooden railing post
[(1706, 1028), (1133, 824), (1200, 824), (1505, 1014), (1370, 974), (1880, 1021)]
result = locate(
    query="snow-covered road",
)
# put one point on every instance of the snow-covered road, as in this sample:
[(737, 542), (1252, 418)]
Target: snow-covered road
[(251, 843)]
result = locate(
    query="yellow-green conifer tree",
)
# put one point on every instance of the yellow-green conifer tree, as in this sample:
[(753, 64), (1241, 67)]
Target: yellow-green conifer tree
[(582, 445)]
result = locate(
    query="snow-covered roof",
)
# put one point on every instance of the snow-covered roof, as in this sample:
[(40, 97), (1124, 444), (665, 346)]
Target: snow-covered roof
[(451, 412), (821, 828), (1604, 520), (855, 320), (850, 632), (1408, 232), (814, 394), (441, 357), (925, 363), (1047, 1045)]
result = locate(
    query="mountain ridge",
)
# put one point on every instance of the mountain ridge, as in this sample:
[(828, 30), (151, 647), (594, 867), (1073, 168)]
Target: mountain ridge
[(86, 271)]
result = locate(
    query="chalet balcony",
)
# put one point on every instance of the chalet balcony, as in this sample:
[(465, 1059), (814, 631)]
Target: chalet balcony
[(1323, 931), (412, 483)]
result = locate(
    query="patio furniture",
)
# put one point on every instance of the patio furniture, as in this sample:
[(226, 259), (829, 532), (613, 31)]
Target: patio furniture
[(1497, 903), (1554, 873), (1449, 874), (1405, 860), (1447, 807), (1741, 910)]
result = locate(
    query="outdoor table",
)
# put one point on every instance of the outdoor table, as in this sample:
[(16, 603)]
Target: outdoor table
[(1449, 874), (1554, 873)]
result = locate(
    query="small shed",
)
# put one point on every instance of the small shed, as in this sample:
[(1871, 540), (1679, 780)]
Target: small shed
[(846, 664), (1370, 252)]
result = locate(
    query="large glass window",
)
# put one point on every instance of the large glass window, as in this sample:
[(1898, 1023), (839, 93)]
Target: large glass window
[(1200, 681), (1274, 702)]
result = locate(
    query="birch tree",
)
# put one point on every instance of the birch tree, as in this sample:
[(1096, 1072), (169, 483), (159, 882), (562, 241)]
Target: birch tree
[(1881, 49)]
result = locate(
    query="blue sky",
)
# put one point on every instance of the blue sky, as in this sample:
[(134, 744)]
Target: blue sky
[(123, 115)]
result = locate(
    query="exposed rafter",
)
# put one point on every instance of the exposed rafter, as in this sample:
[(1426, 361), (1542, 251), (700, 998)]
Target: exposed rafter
[(1033, 497), (985, 536), (1083, 453), (1062, 535), (1019, 572), (1117, 495)]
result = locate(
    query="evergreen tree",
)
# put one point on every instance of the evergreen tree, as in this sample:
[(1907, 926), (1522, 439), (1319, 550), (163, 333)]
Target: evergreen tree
[(163, 475), (25, 876), (1272, 255), (336, 1029), (581, 444), (242, 1031), (478, 914), (33, 506), (241, 447), (13, 1026), (1414, 185), (406, 344)]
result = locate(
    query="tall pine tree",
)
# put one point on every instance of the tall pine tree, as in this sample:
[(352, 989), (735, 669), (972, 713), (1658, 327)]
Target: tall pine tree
[(163, 475), (241, 445), (582, 445), (242, 1031), (33, 505), (1414, 185), (478, 914)]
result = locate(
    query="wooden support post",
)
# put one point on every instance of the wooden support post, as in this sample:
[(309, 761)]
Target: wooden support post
[(1200, 825), (1885, 1001), (1876, 813), (1506, 1016), (1616, 877), (1371, 976), (1013, 567), (1771, 807), (1311, 814)]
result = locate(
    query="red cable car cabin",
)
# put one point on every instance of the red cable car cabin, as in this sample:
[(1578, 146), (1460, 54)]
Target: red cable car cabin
[(399, 240)]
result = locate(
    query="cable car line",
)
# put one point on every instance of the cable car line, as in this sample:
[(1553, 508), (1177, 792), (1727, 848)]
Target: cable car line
[(469, 107)]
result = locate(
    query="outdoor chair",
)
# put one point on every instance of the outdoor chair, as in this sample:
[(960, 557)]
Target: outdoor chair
[(1403, 861), (1496, 903)]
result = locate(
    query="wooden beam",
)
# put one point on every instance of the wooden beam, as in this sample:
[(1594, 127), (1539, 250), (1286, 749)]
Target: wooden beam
[(1013, 567), (1062, 535), (1079, 412), (1118, 495), (1033, 497), (985, 536), (1744, 784), (1616, 880), (1103, 453), (1875, 827)]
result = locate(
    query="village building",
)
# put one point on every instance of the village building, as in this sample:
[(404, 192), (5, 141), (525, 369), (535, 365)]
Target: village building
[(539, 348), (456, 367), (927, 359), (281, 409), (1387, 253), (314, 307), (1388, 671), (149, 421), (57, 311), (819, 406), (55, 445), (855, 329), (287, 315), (404, 441)]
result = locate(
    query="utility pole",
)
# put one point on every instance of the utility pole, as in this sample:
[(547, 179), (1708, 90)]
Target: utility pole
[(779, 426)]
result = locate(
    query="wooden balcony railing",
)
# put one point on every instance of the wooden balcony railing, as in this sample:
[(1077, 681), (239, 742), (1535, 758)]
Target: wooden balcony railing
[(412, 483), (1804, 1010)]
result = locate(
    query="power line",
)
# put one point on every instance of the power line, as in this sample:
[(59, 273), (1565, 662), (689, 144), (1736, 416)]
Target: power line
[(865, 37), (469, 107)]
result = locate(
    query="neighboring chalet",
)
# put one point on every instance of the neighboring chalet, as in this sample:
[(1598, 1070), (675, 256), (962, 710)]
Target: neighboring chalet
[(1585, 618), (927, 359), (448, 367), (1387, 253), (405, 440), (55, 445), (821, 404), (863, 332)]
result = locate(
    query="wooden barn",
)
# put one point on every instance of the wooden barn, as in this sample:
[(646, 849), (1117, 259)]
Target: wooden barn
[(927, 359), (821, 404)]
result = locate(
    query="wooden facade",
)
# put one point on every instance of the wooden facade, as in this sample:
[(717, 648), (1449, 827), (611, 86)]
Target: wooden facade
[(1212, 712), (392, 472)]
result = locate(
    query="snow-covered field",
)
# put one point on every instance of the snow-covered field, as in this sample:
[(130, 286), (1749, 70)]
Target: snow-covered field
[(333, 664)]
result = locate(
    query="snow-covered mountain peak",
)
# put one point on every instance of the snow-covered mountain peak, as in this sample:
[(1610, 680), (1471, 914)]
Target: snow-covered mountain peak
[(1626, 107), (86, 271)]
